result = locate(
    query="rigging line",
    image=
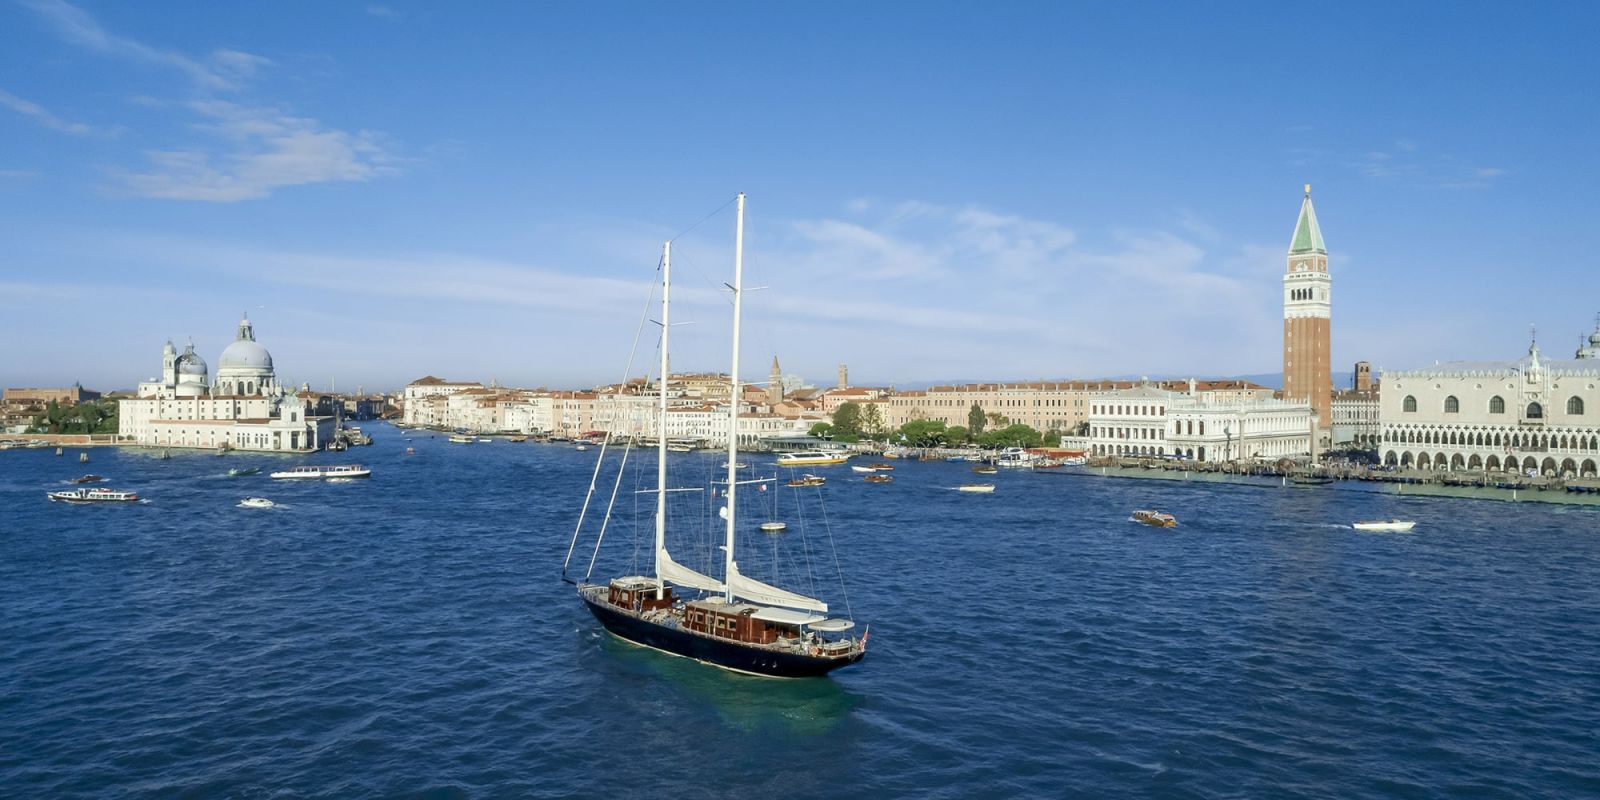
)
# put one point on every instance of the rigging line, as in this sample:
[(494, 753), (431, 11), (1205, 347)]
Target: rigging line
[(604, 443), (719, 210), (716, 286), (627, 449), (828, 526)]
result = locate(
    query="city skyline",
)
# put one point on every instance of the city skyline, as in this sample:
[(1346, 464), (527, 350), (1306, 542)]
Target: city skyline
[(393, 190)]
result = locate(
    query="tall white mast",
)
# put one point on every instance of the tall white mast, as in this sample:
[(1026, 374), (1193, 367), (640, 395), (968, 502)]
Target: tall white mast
[(661, 419), (735, 396)]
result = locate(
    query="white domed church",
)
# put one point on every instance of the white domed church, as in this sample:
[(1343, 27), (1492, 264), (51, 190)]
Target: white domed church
[(243, 409)]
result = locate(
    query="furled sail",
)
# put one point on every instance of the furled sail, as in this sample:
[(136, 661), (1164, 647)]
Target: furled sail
[(679, 575), (765, 593)]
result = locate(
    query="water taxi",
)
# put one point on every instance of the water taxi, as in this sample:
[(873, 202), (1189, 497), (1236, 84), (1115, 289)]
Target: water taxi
[(1155, 518), (256, 502), (863, 469), (808, 480), (461, 438), (94, 496), (813, 458), (976, 488), (312, 471), (878, 478), (88, 479), (1385, 525)]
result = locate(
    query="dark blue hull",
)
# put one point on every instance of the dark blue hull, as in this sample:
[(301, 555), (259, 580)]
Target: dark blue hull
[(726, 654)]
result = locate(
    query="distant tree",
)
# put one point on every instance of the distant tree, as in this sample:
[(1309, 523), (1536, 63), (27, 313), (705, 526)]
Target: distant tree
[(923, 433), (976, 419), (957, 435), (996, 419), (1052, 439), (847, 420), (1017, 435), (872, 420), (821, 430)]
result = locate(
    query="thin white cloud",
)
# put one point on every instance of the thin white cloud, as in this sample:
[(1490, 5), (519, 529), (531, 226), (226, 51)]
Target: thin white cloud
[(79, 27), (263, 149), (978, 293), (246, 151), (40, 115)]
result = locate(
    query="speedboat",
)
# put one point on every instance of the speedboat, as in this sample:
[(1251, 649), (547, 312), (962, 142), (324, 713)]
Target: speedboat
[(813, 458), (256, 502), (863, 469), (985, 470), (314, 471), (976, 488), (94, 496), (88, 479), (1385, 526), (458, 438), (808, 480), (238, 472), (774, 527), (1155, 518), (881, 466), (878, 478)]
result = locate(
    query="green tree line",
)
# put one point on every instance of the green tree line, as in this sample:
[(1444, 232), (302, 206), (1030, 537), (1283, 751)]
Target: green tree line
[(94, 416), (853, 422)]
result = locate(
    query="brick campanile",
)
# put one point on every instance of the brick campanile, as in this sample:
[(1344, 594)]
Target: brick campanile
[(1307, 304)]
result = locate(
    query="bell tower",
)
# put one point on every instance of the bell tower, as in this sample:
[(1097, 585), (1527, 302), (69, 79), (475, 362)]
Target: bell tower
[(775, 384), (1307, 309)]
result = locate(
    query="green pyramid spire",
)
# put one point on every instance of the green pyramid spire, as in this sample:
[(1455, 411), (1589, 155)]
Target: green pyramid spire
[(1307, 236)]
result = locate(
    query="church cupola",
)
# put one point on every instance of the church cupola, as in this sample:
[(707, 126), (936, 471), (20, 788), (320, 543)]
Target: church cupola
[(1592, 350)]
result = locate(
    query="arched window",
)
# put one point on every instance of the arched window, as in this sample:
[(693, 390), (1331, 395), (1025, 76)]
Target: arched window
[(1575, 405), (1535, 411), (1497, 405), (1410, 405), (1452, 405)]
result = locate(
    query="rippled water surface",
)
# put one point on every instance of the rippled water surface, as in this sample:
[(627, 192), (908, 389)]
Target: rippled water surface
[(409, 636)]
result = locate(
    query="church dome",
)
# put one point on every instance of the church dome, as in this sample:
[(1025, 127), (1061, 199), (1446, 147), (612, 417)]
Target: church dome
[(245, 354), (190, 363)]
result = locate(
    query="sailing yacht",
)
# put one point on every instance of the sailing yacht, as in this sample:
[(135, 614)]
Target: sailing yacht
[(735, 621)]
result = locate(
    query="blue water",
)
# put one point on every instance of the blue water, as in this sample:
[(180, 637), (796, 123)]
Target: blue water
[(407, 636)]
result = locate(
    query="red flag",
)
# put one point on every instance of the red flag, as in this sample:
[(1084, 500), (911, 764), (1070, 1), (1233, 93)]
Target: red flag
[(864, 635), (763, 487)]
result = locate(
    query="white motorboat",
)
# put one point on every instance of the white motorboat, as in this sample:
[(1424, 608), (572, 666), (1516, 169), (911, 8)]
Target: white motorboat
[(458, 438), (813, 458), (1385, 526), (774, 527), (93, 496), (319, 472), (256, 502), (863, 469), (976, 488)]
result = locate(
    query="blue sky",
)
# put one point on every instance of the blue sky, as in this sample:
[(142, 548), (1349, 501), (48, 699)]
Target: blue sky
[(937, 190)]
